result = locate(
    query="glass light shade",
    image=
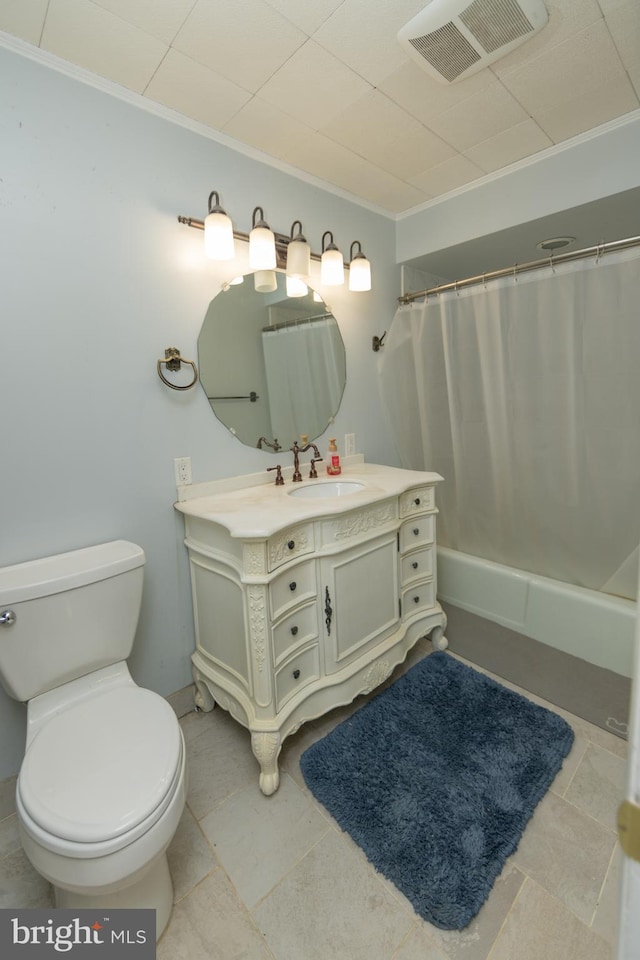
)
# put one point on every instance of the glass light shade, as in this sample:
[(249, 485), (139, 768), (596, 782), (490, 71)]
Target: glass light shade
[(236, 281), (265, 281), (296, 287), (298, 259), (218, 237), (262, 249), (332, 268), (316, 297), (360, 274)]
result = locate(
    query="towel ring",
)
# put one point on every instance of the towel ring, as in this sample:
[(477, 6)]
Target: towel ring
[(173, 361)]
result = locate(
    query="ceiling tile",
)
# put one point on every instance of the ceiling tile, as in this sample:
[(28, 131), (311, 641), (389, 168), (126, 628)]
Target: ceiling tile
[(313, 86), (93, 38), (509, 145), (160, 18), (425, 98), (363, 34), (377, 128), (479, 117), (216, 35), (566, 17), (589, 109), (195, 91), (267, 128), (307, 16), (447, 176), (566, 72), (24, 20), (624, 25)]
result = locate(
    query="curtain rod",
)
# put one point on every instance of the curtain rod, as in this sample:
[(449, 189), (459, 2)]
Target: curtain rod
[(596, 251)]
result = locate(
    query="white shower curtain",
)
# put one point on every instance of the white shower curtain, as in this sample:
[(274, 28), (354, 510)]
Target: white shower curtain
[(305, 371), (524, 393)]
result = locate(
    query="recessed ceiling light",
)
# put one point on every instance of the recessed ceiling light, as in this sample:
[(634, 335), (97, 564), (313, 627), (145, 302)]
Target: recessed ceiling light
[(554, 243)]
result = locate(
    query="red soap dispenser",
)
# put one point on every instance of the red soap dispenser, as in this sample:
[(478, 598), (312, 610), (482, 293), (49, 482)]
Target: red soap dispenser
[(333, 459)]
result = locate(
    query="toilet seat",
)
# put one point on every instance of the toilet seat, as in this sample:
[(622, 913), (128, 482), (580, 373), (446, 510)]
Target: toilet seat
[(101, 772)]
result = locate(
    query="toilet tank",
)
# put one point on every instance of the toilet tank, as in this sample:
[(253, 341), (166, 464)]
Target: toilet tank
[(74, 613)]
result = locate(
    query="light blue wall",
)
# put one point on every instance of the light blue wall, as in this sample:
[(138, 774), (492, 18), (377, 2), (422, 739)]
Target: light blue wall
[(97, 278)]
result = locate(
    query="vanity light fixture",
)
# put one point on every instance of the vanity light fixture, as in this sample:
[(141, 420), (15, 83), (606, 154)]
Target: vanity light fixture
[(262, 244), (298, 254), (270, 251), (265, 281), (359, 269), (332, 264), (218, 232)]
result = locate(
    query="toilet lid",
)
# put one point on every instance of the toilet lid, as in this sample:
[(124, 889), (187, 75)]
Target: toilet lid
[(99, 768)]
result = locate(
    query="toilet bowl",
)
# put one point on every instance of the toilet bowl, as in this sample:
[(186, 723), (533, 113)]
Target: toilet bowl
[(102, 785)]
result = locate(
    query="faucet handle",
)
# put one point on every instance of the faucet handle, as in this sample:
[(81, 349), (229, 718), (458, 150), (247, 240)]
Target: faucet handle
[(279, 477), (313, 473)]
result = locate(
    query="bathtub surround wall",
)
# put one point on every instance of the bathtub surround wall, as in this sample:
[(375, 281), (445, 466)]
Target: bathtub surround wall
[(98, 277)]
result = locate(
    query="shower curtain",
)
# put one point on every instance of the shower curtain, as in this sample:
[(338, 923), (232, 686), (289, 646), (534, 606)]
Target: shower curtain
[(524, 393), (305, 372)]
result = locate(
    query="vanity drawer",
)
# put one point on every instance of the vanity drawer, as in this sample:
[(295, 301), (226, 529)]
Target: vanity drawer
[(415, 532), (416, 565), (419, 596), (417, 501), (296, 673), (289, 544), (296, 629), (293, 586)]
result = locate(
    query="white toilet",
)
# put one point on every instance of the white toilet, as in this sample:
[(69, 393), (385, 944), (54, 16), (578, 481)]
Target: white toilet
[(102, 785)]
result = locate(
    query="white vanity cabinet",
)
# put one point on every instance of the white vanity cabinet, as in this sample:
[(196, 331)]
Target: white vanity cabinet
[(301, 605)]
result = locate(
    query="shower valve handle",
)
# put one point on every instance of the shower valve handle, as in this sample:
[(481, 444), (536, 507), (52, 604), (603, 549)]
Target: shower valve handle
[(7, 618)]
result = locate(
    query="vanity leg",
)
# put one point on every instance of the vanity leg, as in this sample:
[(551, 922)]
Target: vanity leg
[(203, 698), (437, 637), (266, 749)]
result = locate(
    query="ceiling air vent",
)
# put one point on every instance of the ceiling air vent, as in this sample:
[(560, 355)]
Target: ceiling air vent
[(452, 39)]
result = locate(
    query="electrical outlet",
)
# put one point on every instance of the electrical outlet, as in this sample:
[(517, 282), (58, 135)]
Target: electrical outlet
[(183, 470), (349, 444)]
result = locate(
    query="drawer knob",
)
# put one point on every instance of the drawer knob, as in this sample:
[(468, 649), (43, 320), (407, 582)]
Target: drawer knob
[(416, 599), (296, 674), (415, 564), (294, 631), (291, 544), (292, 585), (416, 531), (417, 501)]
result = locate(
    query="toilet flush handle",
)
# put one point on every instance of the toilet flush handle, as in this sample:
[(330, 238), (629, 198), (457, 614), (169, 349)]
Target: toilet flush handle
[(7, 617)]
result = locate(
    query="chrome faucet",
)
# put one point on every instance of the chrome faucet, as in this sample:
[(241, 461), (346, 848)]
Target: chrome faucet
[(296, 450)]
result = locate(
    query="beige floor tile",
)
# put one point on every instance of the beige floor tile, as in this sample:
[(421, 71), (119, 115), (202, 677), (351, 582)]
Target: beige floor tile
[(259, 839), (9, 836), (219, 762), (332, 905), (569, 766), (20, 885), (190, 856), (605, 921), (567, 853), (540, 928), (418, 945), (7, 797), (211, 924), (598, 785)]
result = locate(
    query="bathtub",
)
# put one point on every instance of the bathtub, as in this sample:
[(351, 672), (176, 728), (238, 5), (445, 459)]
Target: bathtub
[(593, 626)]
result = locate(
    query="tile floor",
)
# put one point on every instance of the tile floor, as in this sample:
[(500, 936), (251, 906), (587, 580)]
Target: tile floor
[(274, 878)]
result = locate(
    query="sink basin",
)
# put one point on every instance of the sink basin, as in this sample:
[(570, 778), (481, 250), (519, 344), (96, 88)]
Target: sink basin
[(327, 488)]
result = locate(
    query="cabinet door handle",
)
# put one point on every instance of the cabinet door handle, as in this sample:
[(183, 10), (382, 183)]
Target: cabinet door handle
[(291, 544), (416, 531), (327, 610), (296, 674), (294, 631), (292, 585), (417, 501), (415, 564)]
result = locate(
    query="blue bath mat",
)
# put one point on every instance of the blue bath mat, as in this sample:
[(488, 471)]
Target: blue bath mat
[(436, 778)]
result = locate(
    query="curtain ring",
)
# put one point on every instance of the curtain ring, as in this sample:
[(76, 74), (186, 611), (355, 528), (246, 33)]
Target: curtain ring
[(173, 361), (515, 273)]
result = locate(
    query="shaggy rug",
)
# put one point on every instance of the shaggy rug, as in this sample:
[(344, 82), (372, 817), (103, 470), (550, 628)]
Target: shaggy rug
[(436, 778)]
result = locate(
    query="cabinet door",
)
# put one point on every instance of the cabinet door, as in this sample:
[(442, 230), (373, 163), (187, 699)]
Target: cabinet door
[(359, 599)]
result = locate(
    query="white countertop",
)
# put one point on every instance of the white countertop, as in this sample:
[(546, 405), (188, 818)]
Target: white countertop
[(262, 509)]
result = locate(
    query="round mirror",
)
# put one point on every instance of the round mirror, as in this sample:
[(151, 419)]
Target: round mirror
[(273, 367)]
